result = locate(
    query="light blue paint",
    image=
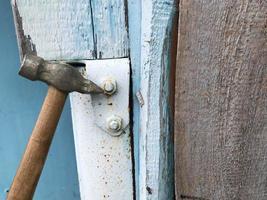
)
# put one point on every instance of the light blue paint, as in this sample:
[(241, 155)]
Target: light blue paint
[(134, 17), (167, 137), (20, 102), (155, 139)]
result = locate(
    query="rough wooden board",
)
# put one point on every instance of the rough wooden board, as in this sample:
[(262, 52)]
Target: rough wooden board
[(156, 141), (57, 29), (221, 100), (109, 20), (67, 29)]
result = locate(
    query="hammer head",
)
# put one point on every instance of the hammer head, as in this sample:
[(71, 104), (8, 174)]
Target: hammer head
[(60, 75), (29, 67)]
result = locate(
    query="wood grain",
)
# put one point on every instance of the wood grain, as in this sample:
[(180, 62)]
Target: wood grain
[(33, 160), (156, 177), (70, 29), (110, 28), (221, 100)]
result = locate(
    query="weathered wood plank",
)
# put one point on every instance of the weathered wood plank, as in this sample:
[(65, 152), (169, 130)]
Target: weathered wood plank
[(110, 28), (55, 29), (156, 141), (69, 29), (221, 100)]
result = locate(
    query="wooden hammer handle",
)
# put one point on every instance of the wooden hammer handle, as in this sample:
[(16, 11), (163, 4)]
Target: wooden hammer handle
[(33, 160)]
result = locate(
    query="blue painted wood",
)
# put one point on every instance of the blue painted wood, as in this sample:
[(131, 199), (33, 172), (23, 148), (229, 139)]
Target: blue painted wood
[(152, 31), (20, 101), (134, 23)]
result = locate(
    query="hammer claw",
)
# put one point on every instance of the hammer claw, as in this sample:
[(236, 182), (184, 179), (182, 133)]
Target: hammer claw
[(91, 87)]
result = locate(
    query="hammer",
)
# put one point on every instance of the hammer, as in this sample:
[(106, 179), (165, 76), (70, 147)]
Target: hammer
[(61, 78)]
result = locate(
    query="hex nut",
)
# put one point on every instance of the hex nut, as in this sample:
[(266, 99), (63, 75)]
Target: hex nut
[(109, 86), (114, 124)]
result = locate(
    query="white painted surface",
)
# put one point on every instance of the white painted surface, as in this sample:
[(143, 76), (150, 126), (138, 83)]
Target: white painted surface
[(58, 28), (104, 161), (117, 104), (155, 148), (73, 29), (144, 150)]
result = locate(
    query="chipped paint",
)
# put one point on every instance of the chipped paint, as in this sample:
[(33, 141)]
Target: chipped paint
[(25, 44), (96, 28)]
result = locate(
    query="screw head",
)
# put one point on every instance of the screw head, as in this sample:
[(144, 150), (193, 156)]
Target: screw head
[(114, 124), (109, 86)]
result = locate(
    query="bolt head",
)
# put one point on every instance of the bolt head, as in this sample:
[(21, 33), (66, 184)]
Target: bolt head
[(114, 124), (109, 86)]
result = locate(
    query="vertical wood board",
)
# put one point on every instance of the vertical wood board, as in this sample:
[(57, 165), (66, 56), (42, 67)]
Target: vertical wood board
[(156, 141), (221, 100), (109, 20)]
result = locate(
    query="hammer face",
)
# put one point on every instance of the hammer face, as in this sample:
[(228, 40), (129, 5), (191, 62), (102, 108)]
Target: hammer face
[(30, 66), (60, 75)]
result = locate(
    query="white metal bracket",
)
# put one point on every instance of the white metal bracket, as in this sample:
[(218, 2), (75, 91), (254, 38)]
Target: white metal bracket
[(104, 162), (110, 109)]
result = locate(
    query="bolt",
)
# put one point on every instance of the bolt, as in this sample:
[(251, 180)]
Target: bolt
[(109, 86), (114, 124)]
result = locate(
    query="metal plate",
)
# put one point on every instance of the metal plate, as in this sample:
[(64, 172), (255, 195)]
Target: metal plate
[(117, 104), (104, 162)]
